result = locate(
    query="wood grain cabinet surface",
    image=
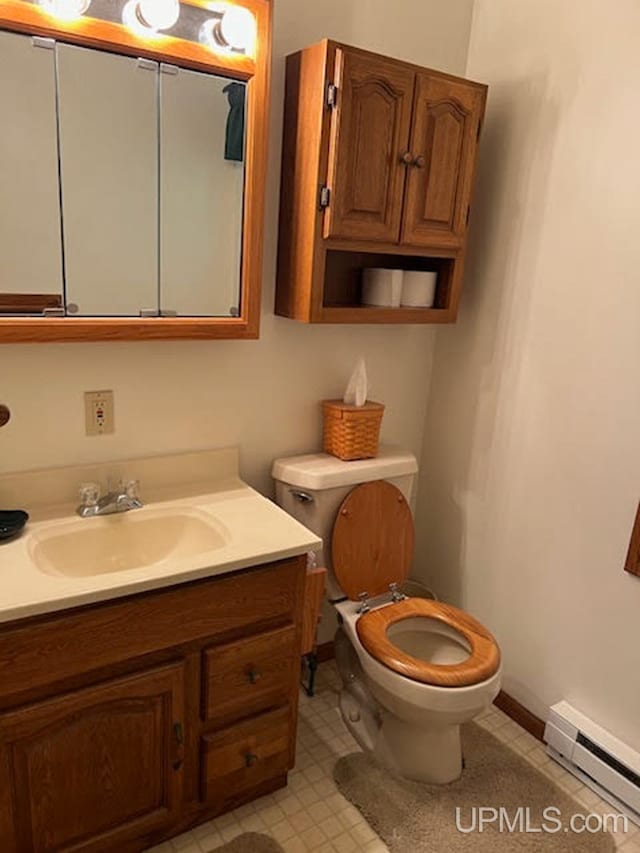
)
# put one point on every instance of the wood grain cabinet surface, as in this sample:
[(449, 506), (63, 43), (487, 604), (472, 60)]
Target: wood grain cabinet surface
[(132, 743), (379, 159)]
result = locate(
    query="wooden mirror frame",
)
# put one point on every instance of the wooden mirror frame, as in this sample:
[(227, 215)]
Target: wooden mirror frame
[(28, 18), (633, 557)]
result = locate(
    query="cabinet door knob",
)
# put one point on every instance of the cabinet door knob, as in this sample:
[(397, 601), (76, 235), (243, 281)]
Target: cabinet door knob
[(419, 162), (406, 158), (250, 759), (254, 676), (179, 733)]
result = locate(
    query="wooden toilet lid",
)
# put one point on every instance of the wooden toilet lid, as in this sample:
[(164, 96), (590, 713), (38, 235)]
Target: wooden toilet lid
[(484, 655), (373, 540)]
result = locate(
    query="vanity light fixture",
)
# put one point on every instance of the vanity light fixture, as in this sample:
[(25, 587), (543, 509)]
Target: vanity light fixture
[(65, 10), (234, 29), (146, 17)]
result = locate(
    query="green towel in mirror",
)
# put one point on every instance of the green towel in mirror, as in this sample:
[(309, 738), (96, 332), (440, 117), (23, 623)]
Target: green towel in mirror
[(234, 146)]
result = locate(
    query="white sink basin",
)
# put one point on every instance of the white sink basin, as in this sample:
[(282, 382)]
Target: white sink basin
[(128, 540)]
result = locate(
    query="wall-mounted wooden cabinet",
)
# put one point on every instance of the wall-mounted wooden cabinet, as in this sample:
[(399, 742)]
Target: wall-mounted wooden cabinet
[(379, 159)]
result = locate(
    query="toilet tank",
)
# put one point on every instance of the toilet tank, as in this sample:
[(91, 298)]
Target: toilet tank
[(311, 488)]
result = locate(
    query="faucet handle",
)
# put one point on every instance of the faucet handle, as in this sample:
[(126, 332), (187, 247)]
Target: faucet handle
[(130, 489), (89, 494)]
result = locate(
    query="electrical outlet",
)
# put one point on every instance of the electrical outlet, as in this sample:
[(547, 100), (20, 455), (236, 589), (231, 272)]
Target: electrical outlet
[(98, 410)]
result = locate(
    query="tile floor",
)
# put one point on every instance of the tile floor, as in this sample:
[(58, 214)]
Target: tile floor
[(311, 815)]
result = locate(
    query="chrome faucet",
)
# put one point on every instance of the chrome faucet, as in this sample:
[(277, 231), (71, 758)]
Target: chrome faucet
[(122, 499)]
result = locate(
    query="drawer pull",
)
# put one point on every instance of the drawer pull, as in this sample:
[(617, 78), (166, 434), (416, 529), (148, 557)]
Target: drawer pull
[(250, 759), (254, 676), (179, 733)]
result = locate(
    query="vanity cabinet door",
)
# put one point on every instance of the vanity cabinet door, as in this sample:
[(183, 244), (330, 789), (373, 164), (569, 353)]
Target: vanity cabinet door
[(89, 770), (444, 140), (369, 136)]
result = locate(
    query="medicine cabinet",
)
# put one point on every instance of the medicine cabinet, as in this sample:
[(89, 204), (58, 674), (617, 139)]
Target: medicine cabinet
[(132, 170)]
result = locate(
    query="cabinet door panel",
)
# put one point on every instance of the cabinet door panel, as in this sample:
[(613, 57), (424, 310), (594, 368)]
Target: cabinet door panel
[(369, 135), (109, 166), (447, 115), (31, 256), (93, 768)]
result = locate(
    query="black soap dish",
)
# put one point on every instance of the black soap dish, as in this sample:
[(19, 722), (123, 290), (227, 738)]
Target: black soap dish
[(12, 522)]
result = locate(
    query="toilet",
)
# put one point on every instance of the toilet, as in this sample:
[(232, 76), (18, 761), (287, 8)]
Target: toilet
[(412, 669)]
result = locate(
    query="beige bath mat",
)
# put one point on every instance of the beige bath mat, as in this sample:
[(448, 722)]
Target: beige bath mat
[(413, 817), (250, 842)]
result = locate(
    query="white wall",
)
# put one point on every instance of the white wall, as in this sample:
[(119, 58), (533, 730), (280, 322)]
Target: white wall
[(262, 395), (531, 463)]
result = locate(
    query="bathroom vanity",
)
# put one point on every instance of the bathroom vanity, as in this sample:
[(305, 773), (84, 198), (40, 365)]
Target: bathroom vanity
[(167, 693)]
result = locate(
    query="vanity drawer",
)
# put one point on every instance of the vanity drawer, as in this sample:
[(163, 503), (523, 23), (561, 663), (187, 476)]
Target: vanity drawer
[(53, 649), (243, 756), (249, 675)]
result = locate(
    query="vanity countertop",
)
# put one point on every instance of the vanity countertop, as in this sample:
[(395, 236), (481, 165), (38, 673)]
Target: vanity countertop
[(253, 531)]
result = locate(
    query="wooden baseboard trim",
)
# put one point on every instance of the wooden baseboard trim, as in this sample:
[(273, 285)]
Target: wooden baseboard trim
[(325, 652), (520, 715), (510, 706)]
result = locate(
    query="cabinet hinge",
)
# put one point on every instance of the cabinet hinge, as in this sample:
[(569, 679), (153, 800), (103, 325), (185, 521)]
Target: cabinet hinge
[(41, 41), (332, 96), (325, 197), (479, 131), (147, 64)]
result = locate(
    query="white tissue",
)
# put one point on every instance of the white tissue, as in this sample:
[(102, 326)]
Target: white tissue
[(356, 393)]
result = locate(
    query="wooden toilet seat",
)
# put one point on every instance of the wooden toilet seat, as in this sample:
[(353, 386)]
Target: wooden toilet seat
[(373, 540), (483, 660), (372, 547)]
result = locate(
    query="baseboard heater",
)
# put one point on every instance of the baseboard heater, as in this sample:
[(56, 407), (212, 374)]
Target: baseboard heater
[(596, 757)]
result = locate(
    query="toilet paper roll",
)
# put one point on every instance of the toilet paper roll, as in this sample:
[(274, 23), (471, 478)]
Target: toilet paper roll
[(419, 289), (382, 287)]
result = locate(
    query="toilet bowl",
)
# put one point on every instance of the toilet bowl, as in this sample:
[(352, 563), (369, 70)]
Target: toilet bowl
[(419, 712), (413, 670)]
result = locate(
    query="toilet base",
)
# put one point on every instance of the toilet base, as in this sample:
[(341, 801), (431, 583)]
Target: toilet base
[(432, 755)]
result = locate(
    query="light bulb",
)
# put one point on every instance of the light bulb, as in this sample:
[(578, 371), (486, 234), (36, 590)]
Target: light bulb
[(159, 14), (66, 10), (144, 16), (235, 29)]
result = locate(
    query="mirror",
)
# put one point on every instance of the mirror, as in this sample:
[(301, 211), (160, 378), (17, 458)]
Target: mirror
[(31, 256), (202, 145), (122, 183)]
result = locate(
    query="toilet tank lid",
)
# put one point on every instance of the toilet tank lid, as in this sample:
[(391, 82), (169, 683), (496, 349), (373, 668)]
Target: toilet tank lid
[(318, 471)]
